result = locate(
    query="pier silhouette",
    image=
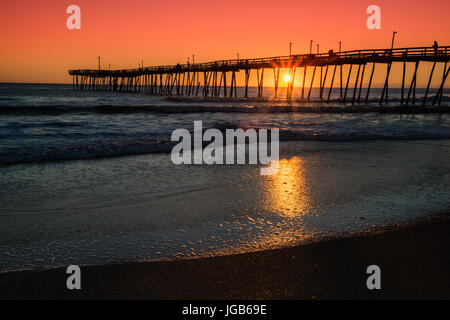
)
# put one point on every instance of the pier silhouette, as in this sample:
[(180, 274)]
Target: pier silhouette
[(185, 80)]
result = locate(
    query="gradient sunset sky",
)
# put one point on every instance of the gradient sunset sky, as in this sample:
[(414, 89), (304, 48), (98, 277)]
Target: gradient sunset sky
[(38, 47)]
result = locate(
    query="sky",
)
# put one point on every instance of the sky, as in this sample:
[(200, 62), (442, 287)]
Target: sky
[(38, 47)]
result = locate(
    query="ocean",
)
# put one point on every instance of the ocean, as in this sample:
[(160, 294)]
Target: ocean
[(86, 177)]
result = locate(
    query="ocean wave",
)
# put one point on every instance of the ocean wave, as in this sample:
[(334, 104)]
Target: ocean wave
[(110, 149), (56, 124), (311, 107), (84, 152), (294, 100)]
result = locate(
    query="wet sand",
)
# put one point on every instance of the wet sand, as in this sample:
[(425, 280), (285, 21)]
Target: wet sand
[(109, 211), (414, 260)]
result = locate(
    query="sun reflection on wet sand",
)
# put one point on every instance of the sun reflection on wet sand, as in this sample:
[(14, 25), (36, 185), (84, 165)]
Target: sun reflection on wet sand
[(286, 201), (278, 221), (286, 191)]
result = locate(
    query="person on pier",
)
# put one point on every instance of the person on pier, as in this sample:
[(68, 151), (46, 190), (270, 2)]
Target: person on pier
[(435, 47)]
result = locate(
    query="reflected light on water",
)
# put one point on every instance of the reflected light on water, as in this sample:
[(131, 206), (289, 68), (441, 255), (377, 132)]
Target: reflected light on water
[(286, 191), (278, 220)]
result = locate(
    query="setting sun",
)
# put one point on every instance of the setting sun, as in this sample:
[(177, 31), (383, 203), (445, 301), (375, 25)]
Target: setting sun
[(287, 78)]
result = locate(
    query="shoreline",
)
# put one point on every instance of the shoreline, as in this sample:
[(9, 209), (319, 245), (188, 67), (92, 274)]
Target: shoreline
[(415, 266)]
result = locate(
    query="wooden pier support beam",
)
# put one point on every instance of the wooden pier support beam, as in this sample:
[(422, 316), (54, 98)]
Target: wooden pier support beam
[(386, 85), (224, 73), (413, 85), (198, 84), (443, 81), (320, 83), (361, 83), (173, 82), (260, 82), (188, 83), (291, 82), (247, 77), (312, 81), (220, 85), (403, 83), (178, 82), (438, 95), (331, 85), (276, 76), (356, 85), (206, 76), (304, 80), (323, 83), (290, 86), (167, 89), (348, 80), (370, 83), (428, 85), (214, 84), (161, 83), (193, 83), (233, 84)]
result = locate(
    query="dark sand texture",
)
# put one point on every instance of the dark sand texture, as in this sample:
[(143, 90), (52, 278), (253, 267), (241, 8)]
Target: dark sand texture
[(414, 260)]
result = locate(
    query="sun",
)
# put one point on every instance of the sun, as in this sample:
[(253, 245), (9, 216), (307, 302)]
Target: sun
[(287, 78)]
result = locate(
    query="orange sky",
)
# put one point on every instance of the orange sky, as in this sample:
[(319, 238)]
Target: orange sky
[(37, 46)]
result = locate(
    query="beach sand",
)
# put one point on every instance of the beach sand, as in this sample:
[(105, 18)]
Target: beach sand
[(413, 258)]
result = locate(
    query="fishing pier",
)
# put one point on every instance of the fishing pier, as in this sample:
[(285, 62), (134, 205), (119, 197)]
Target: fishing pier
[(218, 78)]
